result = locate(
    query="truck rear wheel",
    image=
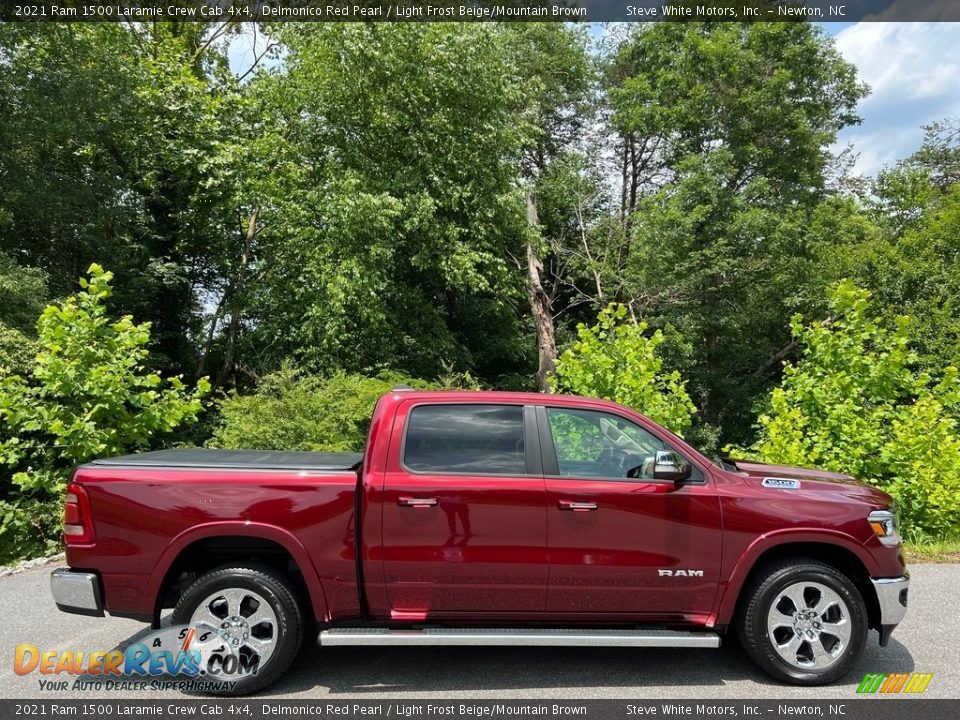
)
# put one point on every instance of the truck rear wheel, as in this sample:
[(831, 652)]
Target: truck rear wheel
[(256, 621), (803, 622)]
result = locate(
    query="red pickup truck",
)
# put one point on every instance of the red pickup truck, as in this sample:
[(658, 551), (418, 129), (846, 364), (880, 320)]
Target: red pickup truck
[(490, 519)]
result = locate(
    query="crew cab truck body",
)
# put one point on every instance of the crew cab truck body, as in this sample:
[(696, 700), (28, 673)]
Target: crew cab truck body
[(490, 518)]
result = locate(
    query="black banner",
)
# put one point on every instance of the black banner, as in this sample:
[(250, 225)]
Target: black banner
[(478, 10), (857, 708)]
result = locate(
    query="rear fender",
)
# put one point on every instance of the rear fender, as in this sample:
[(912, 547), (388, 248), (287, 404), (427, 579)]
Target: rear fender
[(281, 537)]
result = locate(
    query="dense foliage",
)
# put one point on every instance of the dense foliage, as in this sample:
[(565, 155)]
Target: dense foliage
[(22, 294), (735, 119), (86, 395), (854, 402), (616, 359), (350, 203), (293, 411)]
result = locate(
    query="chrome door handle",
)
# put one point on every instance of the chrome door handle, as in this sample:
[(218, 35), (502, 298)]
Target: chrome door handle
[(576, 506), (416, 502)]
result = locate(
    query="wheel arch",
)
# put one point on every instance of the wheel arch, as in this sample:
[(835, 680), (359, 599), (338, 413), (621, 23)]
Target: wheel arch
[(203, 548), (838, 551)]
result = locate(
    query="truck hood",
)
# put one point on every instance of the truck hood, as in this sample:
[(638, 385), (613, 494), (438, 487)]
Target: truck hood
[(814, 480)]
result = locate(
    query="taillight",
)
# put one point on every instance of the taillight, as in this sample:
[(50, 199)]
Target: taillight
[(77, 522)]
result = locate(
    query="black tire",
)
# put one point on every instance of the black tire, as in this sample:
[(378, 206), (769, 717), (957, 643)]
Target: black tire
[(286, 634), (757, 614)]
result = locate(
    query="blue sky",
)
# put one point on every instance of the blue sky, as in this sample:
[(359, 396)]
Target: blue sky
[(913, 70)]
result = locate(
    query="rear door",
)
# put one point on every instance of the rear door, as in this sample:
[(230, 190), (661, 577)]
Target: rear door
[(623, 545), (464, 512)]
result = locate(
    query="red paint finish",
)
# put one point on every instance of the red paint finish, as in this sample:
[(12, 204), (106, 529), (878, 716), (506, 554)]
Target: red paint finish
[(829, 509), (144, 518), (481, 548), (609, 559), (476, 548)]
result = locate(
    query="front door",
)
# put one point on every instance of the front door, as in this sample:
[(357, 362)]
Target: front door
[(464, 512), (634, 546)]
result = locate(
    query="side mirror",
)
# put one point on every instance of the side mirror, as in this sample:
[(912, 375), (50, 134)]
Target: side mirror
[(670, 466)]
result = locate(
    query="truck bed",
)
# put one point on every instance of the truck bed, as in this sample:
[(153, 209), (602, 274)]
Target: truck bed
[(201, 459)]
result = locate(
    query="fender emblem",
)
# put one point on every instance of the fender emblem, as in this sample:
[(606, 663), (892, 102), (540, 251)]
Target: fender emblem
[(680, 573), (781, 483)]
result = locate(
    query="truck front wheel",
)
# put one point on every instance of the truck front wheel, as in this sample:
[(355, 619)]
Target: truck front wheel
[(802, 621), (249, 627)]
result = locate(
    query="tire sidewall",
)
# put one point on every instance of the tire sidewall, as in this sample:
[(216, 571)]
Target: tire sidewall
[(771, 589), (282, 601)]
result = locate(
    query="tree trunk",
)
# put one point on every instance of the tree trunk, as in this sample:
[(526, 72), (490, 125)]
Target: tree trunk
[(540, 307), (236, 296), (211, 334)]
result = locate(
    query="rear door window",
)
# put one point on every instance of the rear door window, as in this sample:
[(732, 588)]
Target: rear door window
[(465, 440)]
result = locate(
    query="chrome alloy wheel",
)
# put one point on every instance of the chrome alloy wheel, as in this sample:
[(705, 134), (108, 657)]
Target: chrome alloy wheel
[(809, 625), (243, 619)]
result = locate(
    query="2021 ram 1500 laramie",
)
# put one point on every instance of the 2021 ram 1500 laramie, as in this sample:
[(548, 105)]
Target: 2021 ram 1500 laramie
[(495, 519)]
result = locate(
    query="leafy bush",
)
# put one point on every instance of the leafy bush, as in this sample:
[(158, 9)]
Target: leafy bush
[(22, 294), (16, 350), (853, 403), (22, 297), (294, 411), (86, 395), (617, 360), (29, 527)]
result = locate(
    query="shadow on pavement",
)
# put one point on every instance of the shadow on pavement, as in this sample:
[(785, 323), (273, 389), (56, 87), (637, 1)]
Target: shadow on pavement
[(359, 670), (354, 671)]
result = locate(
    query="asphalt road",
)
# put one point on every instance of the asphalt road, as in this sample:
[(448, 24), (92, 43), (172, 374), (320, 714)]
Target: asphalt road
[(927, 641)]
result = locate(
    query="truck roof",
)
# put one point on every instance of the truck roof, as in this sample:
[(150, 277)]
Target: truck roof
[(531, 398), (236, 459)]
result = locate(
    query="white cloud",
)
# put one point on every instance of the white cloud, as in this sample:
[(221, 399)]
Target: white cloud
[(912, 70), (245, 47), (941, 10)]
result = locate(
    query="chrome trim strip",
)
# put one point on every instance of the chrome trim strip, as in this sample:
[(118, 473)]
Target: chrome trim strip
[(77, 592), (526, 637), (888, 595)]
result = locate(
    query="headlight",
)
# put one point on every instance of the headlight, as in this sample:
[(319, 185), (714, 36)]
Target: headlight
[(886, 525)]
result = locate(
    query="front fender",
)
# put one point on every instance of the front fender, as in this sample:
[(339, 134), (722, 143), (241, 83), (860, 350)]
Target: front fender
[(778, 539)]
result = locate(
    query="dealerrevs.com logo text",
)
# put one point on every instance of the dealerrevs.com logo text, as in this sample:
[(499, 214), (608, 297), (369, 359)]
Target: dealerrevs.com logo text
[(181, 657)]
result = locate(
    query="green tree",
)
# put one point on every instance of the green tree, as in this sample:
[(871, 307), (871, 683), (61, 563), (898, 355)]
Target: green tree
[(726, 127), (855, 403), (556, 76), (88, 394), (910, 262), (939, 155), (106, 146), (395, 209), (619, 360)]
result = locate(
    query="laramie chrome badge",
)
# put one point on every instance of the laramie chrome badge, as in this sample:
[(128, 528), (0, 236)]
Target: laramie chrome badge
[(781, 483), (680, 573)]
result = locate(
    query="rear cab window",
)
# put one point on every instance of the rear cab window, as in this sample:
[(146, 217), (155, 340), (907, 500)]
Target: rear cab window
[(468, 439)]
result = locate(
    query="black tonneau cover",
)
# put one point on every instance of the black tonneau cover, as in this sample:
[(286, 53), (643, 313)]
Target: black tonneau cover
[(237, 460)]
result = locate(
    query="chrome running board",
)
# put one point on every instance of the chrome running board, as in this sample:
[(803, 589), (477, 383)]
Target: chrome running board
[(518, 636)]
